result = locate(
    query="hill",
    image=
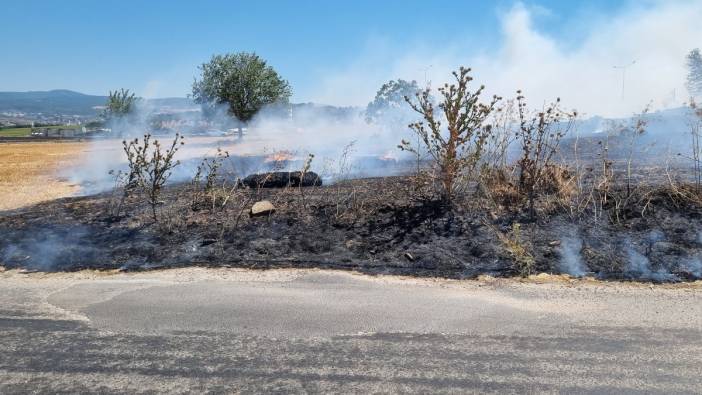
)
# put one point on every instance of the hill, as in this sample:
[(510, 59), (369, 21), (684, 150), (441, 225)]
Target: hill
[(66, 102), (61, 101)]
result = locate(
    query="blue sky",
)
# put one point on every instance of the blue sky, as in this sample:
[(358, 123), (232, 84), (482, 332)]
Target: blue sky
[(154, 47)]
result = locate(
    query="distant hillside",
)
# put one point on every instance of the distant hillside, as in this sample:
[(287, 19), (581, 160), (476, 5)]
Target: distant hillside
[(62, 101), (66, 102)]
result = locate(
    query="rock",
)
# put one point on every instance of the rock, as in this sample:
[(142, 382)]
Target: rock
[(282, 179), (263, 207)]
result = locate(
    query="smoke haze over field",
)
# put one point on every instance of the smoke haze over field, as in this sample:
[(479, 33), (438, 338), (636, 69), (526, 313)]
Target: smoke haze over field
[(657, 35), (340, 53), (522, 51), (368, 149)]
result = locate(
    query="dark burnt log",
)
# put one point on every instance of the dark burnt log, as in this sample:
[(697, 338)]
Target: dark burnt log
[(282, 179)]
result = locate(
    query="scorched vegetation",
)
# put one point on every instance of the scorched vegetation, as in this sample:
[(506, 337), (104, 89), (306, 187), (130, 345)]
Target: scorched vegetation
[(498, 188)]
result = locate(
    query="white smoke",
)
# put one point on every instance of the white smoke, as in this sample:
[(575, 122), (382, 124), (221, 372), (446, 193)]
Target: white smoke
[(639, 267), (326, 136), (657, 35), (571, 261), (49, 248), (103, 156), (693, 265), (324, 132)]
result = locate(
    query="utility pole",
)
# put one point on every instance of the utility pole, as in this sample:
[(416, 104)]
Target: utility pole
[(623, 69)]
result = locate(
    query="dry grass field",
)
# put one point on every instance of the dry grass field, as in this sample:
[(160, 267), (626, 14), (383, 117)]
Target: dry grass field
[(33, 172), (28, 171)]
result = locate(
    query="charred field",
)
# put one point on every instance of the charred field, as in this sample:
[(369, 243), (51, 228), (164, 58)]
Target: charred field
[(384, 225)]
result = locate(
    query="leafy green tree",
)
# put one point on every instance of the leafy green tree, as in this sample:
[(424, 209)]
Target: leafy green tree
[(694, 74), (243, 81), (389, 103), (120, 103)]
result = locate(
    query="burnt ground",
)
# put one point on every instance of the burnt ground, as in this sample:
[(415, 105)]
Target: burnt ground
[(374, 226)]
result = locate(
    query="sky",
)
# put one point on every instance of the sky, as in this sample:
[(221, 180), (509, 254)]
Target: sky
[(340, 52)]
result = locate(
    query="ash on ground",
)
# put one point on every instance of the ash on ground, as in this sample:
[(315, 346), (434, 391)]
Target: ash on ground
[(375, 225)]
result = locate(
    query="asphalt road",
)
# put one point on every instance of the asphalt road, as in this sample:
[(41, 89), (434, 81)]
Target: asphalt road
[(224, 331)]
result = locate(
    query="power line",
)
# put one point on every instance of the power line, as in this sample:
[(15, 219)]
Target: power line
[(623, 69)]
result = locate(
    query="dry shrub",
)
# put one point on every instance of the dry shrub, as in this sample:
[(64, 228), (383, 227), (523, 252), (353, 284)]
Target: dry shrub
[(559, 182), (348, 200), (150, 166), (498, 186), (518, 249), (421, 187), (208, 186), (301, 190), (457, 147), (502, 135), (558, 188), (536, 176), (539, 136), (680, 194)]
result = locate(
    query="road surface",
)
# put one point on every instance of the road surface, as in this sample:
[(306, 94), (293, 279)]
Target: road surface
[(226, 330)]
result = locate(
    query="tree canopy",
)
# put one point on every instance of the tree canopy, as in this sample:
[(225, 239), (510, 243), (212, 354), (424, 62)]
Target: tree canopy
[(389, 103), (243, 81), (694, 74), (120, 103)]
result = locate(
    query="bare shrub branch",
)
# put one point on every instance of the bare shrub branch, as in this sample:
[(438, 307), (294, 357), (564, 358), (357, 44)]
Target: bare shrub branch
[(455, 149), (539, 136), (150, 166)]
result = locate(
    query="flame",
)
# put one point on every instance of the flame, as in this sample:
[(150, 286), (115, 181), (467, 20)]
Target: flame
[(280, 156), (388, 156)]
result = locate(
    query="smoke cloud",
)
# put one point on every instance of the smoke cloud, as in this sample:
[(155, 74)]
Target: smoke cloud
[(571, 261), (656, 35), (328, 133), (49, 248), (639, 267)]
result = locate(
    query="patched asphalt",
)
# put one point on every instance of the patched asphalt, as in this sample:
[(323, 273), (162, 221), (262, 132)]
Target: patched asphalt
[(318, 331)]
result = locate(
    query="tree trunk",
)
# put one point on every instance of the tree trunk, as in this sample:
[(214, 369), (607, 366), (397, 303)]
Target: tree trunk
[(240, 130)]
